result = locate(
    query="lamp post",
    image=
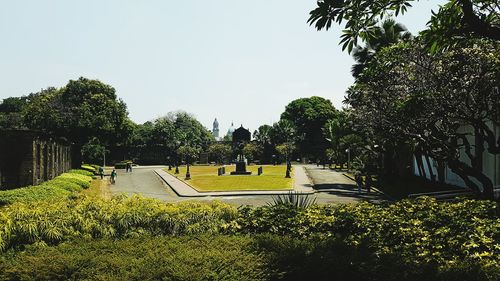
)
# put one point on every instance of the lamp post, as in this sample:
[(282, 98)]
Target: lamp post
[(188, 174), (348, 158), (288, 165)]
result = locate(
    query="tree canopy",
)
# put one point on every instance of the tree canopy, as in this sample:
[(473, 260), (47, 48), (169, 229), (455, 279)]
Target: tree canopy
[(309, 116), (443, 105), (454, 21), (82, 110)]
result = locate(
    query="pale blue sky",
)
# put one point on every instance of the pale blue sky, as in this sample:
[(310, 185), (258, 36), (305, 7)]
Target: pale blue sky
[(240, 61)]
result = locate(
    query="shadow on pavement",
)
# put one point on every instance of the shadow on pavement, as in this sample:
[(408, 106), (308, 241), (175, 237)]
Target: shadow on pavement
[(349, 191)]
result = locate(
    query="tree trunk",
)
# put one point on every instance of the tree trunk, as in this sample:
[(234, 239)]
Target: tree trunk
[(441, 172), (478, 150), (465, 172), (420, 163), (429, 167)]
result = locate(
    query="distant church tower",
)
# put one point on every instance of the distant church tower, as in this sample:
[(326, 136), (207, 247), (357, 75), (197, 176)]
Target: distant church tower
[(215, 130)]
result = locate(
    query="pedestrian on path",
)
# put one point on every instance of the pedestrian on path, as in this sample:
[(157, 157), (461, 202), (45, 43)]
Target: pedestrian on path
[(101, 172), (112, 179), (359, 180)]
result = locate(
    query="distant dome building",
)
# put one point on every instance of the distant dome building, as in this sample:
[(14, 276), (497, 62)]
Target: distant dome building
[(215, 130), (230, 131)]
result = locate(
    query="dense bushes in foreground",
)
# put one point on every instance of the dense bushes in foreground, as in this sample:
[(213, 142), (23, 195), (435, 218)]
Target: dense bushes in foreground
[(121, 217), (434, 235), (145, 258), (218, 257), (408, 240), (58, 188)]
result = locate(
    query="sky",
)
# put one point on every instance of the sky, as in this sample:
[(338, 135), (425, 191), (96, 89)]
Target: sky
[(237, 61)]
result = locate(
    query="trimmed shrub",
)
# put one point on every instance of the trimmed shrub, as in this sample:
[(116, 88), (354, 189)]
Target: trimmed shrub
[(422, 239), (63, 183), (89, 168), (81, 180), (32, 193), (58, 188), (53, 222), (123, 164), (82, 172), (146, 258)]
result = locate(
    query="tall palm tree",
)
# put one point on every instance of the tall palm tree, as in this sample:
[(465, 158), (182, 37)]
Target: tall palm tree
[(388, 33), (263, 135)]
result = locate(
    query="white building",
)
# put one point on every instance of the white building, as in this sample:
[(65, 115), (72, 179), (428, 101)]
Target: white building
[(491, 164)]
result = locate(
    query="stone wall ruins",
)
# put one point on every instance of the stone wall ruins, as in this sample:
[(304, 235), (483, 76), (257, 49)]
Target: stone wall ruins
[(30, 158)]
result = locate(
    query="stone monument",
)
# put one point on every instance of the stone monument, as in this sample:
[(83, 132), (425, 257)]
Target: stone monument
[(241, 137)]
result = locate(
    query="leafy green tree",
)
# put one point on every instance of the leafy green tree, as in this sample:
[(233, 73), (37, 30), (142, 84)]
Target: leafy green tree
[(189, 154), (11, 112), (263, 136), (180, 128), (221, 152), (309, 116), (283, 131), (389, 32), (82, 110), (286, 150), (93, 152), (443, 106), (252, 151), (455, 21), (335, 132)]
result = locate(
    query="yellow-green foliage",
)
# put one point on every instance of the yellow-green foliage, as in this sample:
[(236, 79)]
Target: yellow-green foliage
[(52, 222), (89, 168), (145, 258), (81, 172), (408, 232), (57, 188)]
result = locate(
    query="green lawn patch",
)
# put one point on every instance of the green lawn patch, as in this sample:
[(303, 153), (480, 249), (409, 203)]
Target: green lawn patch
[(205, 179)]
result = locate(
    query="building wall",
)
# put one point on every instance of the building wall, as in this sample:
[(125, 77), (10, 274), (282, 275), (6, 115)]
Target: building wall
[(491, 163), (28, 158)]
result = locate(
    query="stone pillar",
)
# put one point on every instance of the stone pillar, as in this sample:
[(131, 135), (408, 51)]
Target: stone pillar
[(39, 161), (49, 160), (54, 160), (34, 167)]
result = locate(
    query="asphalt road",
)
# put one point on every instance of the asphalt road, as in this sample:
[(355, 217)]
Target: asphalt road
[(334, 188)]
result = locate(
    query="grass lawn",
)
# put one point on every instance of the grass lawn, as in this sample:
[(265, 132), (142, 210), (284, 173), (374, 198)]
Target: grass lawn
[(205, 179)]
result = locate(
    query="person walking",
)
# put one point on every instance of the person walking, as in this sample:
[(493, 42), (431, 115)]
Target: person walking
[(101, 172), (112, 179), (359, 180)]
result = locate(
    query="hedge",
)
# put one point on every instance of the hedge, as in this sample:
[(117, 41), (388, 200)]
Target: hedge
[(145, 258), (90, 168), (85, 217), (58, 188)]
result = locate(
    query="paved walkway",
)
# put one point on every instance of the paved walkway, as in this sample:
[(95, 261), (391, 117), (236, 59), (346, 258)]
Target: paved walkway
[(301, 182), (337, 184), (145, 182)]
